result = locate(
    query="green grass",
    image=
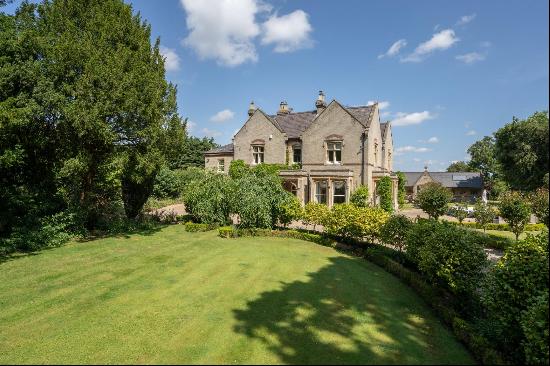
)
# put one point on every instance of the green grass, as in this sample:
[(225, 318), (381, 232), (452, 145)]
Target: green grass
[(178, 297), (508, 234)]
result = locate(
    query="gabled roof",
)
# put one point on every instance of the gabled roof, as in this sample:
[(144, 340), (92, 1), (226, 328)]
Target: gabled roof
[(226, 149), (449, 179), (295, 123)]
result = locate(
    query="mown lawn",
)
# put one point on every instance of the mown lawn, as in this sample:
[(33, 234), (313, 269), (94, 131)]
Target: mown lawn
[(177, 297)]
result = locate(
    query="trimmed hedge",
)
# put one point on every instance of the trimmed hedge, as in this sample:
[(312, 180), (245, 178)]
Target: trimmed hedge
[(232, 232), (194, 227), (501, 227)]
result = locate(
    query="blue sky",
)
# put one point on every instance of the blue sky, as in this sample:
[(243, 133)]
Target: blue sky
[(448, 72)]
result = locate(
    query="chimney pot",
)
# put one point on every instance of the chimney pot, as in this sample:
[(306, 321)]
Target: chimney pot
[(283, 108), (320, 103)]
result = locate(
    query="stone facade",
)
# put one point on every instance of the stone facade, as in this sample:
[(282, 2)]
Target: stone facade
[(338, 149)]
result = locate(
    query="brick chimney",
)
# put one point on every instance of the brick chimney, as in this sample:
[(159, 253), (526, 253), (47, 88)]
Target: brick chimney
[(320, 103), (283, 108)]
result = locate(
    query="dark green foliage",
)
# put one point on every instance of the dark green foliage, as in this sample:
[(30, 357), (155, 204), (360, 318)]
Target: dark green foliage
[(534, 323), (84, 111), (384, 191), (192, 154), (401, 183), (433, 199), (512, 286), (539, 205), (459, 166), (395, 231), (447, 255), (360, 197), (168, 184), (483, 159), (515, 209), (521, 149)]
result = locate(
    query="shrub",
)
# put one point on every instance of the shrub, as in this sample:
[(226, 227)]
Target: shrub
[(208, 198), (539, 204), (290, 210), (315, 214), (460, 212), (167, 184), (433, 199), (238, 169), (447, 255), (384, 190), (511, 286), (401, 183), (51, 231), (484, 214), (515, 209), (360, 197), (349, 221), (258, 200), (534, 323), (193, 227), (395, 230)]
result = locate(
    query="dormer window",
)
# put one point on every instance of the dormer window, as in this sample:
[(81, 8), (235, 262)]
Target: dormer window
[(334, 152), (257, 154)]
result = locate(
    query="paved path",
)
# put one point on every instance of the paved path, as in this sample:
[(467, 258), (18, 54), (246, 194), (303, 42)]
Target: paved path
[(177, 209)]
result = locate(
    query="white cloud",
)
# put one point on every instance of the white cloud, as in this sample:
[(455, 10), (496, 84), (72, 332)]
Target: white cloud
[(470, 58), (471, 133), (223, 30), (288, 32), (222, 116), (406, 119), (439, 41), (210, 133), (410, 149), (417, 160), (433, 140), (171, 58), (381, 105), (465, 19), (191, 126), (394, 48)]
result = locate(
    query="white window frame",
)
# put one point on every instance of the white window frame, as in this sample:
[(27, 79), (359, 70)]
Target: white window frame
[(221, 167), (319, 195), (258, 154), (334, 184), (334, 147)]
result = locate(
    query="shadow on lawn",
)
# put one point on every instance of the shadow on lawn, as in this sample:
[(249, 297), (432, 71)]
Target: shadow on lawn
[(312, 322)]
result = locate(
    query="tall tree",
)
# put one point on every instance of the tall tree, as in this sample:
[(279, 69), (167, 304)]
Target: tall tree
[(482, 159), (521, 149), (459, 166), (85, 92)]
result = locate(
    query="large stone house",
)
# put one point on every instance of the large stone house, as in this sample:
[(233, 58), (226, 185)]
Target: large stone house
[(337, 148), (466, 186)]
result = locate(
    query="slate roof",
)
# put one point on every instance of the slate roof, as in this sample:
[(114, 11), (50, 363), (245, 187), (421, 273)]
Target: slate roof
[(225, 149), (295, 123), (470, 179)]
